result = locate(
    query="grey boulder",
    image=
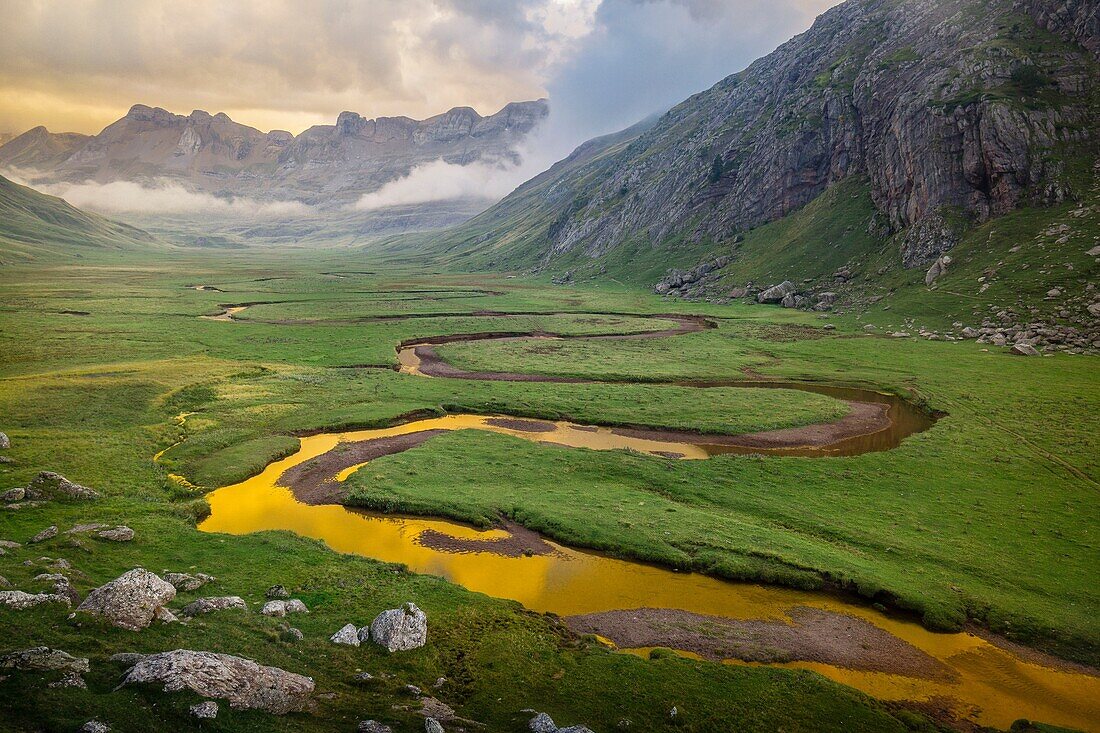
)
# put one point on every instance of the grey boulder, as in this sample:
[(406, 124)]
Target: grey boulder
[(206, 710), (44, 659), (130, 601), (188, 581), (400, 629), (348, 634), (50, 485), (776, 293), (245, 684), (19, 600), (213, 603)]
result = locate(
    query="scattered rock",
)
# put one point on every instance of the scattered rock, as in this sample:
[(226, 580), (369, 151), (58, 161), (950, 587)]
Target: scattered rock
[(277, 591), (44, 659), (128, 659), (5, 441), (13, 495), (69, 679), (542, 723), (737, 293), (970, 333), (431, 725), (187, 581), (81, 528), (776, 293), (131, 601), (19, 601), (293, 634), (347, 635), (373, 726), (118, 534), (244, 683), (9, 545), (938, 268), (400, 629), (829, 327), (61, 585), (94, 726), (206, 710), (1054, 293), (47, 534), (213, 603), (1094, 252), (279, 609), (1023, 349), (50, 485), (165, 616)]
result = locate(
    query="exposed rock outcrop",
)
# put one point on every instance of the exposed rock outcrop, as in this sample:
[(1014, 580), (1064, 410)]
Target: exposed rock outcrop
[(188, 581), (245, 684), (130, 601)]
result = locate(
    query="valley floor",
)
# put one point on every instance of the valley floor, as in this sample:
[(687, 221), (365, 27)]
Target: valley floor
[(985, 520)]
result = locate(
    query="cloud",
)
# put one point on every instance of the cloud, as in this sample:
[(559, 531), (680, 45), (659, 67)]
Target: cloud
[(442, 181), (164, 197)]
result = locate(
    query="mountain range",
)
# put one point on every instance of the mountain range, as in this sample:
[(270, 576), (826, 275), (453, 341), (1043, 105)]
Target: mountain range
[(327, 166), (908, 122)]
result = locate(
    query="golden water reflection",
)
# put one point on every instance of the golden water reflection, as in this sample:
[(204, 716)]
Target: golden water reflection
[(992, 686)]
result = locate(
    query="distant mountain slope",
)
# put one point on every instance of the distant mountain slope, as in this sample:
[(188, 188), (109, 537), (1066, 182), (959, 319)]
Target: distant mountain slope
[(40, 149), (34, 225), (327, 165), (954, 112)]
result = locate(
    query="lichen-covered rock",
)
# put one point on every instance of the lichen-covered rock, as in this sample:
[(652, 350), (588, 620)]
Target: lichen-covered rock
[(348, 634), (118, 534), (44, 659), (277, 592), (69, 679), (1022, 349), (281, 608), (95, 726), (50, 485), (245, 684), (213, 603), (130, 601), (19, 600), (13, 495), (5, 441), (61, 585), (188, 581), (431, 725), (373, 726), (47, 534), (542, 723), (400, 629), (206, 710)]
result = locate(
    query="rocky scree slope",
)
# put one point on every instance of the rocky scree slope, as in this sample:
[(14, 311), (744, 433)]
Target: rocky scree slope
[(325, 165), (955, 111)]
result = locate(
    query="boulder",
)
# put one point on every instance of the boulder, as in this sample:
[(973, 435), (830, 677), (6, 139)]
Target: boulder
[(737, 293), (970, 333), (826, 298), (293, 634), (19, 601), (94, 726), (50, 485), (789, 301), (187, 581), (118, 534), (47, 534), (69, 679), (279, 609), (5, 441), (776, 293), (277, 591), (1023, 349), (130, 601), (44, 659), (938, 268), (400, 629), (348, 634), (373, 726), (542, 723), (206, 710), (16, 494), (244, 683), (211, 604), (431, 725)]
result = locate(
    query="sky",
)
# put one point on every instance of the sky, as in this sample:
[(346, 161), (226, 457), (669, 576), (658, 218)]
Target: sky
[(78, 65)]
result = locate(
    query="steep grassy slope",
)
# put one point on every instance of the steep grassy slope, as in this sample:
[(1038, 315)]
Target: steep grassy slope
[(36, 226)]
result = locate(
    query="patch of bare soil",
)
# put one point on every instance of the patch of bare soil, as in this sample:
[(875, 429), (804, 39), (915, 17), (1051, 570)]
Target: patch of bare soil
[(525, 426), (314, 481), (519, 542), (814, 636)]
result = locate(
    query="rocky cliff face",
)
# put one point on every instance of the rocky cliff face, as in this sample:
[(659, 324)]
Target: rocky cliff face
[(955, 110), (327, 164)]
